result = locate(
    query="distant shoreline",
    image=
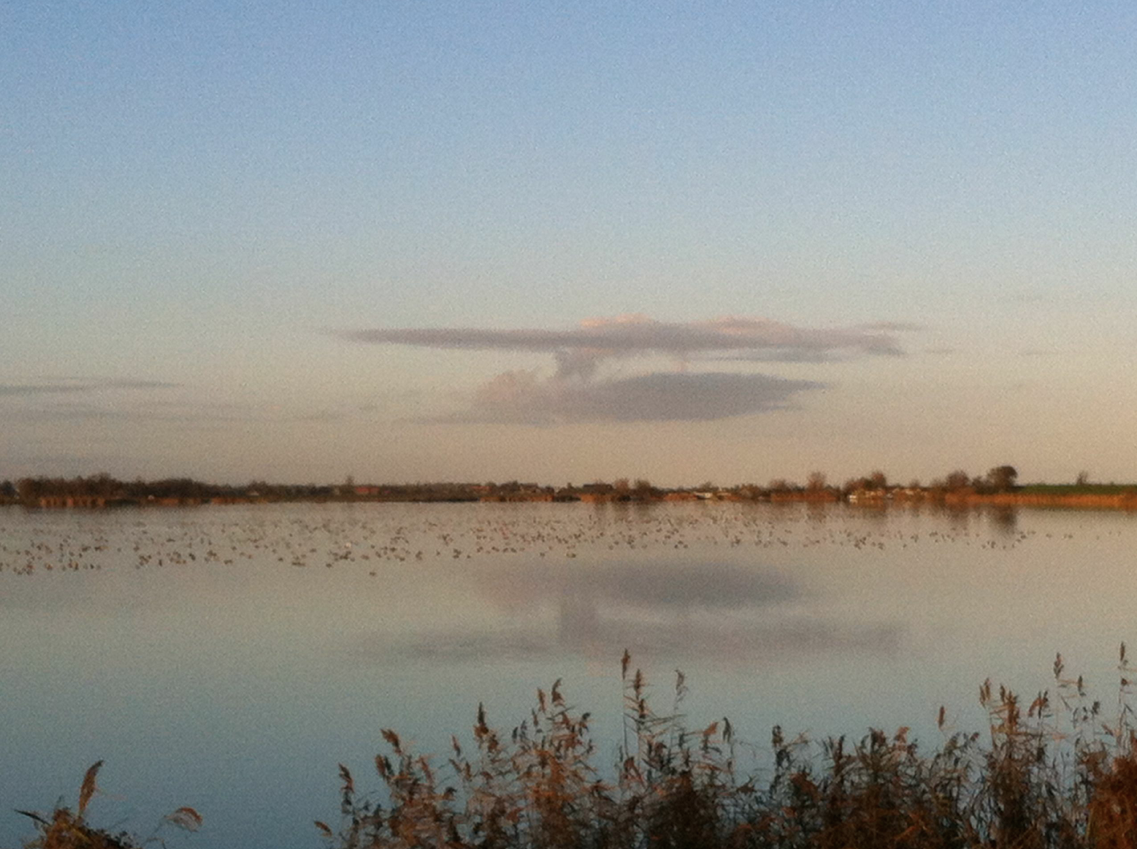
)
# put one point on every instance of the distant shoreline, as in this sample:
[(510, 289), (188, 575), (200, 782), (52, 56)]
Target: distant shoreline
[(1118, 498)]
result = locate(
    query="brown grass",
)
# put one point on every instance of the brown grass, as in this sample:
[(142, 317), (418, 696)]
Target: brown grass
[(64, 829), (1042, 779)]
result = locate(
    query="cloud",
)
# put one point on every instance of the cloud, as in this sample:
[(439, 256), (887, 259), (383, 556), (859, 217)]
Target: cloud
[(66, 387), (137, 384), (70, 406), (637, 335), (580, 392), (781, 356), (188, 416), (183, 416), (24, 389), (522, 397), (891, 326), (64, 413)]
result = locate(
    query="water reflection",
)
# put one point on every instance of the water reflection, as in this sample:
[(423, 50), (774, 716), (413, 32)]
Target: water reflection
[(656, 586), (958, 516), (698, 610), (1005, 519), (599, 638), (203, 652)]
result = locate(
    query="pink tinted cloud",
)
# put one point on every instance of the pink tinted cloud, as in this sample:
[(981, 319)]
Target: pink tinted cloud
[(596, 339), (578, 392)]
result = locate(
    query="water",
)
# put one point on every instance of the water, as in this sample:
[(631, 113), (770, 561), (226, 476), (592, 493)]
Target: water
[(228, 658)]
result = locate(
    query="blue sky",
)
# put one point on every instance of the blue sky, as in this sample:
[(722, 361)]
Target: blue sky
[(260, 240)]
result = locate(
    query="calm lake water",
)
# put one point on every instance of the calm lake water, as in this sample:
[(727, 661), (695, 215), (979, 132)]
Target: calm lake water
[(228, 658)]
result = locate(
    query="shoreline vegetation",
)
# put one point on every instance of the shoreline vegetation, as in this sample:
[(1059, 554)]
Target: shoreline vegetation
[(1059, 772), (957, 489)]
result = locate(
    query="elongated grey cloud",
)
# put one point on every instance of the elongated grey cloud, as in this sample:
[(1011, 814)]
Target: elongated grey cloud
[(779, 355), (578, 391), (522, 397), (891, 326), (639, 335), (67, 387), (176, 414), (24, 389)]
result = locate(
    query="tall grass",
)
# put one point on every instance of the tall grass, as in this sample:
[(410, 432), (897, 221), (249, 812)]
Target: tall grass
[(67, 829), (1059, 772), (1053, 773)]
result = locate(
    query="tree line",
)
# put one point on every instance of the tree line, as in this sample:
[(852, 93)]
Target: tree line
[(108, 489)]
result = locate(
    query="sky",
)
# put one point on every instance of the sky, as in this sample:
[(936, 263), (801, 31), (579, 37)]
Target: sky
[(475, 241)]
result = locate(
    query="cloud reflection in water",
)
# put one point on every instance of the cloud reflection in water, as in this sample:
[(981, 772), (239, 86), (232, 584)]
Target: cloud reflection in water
[(694, 610)]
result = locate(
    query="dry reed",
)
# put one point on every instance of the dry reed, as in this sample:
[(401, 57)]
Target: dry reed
[(1040, 780), (65, 829)]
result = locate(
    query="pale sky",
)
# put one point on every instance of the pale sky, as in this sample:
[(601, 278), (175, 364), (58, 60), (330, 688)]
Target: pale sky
[(561, 242)]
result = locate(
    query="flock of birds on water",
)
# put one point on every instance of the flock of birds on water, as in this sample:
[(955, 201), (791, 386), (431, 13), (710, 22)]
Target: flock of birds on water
[(374, 535)]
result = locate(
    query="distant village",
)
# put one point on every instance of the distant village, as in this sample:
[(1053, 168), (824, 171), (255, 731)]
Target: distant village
[(998, 485)]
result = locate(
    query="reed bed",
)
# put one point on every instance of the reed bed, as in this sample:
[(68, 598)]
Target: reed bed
[(1059, 771), (67, 829), (1052, 773)]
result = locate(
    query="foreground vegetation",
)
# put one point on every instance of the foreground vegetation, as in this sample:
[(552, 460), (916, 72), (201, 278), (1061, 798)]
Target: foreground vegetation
[(67, 829), (1058, 772)]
